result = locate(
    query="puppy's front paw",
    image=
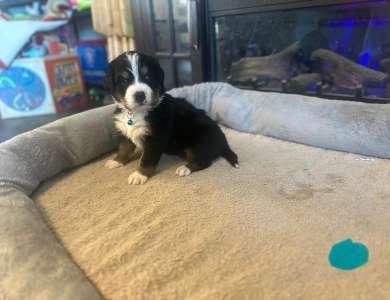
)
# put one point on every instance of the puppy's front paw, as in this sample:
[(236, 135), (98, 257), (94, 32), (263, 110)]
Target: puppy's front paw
[(112, 164), (137, 178), (183, 171)]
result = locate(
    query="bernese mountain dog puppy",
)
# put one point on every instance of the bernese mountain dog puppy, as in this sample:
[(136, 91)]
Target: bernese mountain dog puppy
[(149, 118)]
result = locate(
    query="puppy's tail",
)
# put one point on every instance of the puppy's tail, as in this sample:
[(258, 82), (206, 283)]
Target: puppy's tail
[(231, 157)]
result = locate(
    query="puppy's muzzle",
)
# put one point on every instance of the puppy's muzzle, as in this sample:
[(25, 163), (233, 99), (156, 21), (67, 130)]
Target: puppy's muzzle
[(139, 97)]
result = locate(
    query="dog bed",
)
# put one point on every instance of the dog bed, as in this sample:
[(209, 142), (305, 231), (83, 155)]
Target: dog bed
[(71, 229)]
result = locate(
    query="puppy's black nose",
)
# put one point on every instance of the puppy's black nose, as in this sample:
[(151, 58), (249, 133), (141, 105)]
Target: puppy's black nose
[(139, 97)]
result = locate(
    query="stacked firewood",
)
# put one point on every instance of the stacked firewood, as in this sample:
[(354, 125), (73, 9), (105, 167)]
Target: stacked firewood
[(305, 63)]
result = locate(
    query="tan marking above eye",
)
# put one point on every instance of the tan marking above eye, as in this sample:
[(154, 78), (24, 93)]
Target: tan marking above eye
[(125, 75), (144, 70)]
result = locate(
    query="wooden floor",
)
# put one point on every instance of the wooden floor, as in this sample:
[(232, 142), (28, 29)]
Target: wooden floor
[(12, 127)]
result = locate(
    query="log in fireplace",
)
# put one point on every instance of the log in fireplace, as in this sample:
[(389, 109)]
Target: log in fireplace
[(337, 50)]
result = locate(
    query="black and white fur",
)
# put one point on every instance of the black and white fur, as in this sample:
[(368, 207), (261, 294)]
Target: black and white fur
[(161, 123)]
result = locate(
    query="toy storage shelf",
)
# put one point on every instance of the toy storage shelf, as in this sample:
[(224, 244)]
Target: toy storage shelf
[(10, 3)]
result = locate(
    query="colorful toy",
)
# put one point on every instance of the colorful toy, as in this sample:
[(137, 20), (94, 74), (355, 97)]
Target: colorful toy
[(94, 60), (21, 89), (15, 42), (66, 82), (36, 86), (84, 4), (34, 9), (96, 94), (53, 10), (44, 44), (73, 3), (64, 34)]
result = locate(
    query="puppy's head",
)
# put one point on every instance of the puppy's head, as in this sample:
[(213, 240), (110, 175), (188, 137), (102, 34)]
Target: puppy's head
[(135, 81)]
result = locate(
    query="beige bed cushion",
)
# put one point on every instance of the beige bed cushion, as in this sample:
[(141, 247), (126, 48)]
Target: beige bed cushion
[(263, 231)]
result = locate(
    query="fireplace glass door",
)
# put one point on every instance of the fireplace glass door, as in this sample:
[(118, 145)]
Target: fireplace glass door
[(339, 51), (170, 31)]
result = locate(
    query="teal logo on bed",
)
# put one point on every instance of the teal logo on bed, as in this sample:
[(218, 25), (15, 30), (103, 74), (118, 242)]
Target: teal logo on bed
[(348, 255)]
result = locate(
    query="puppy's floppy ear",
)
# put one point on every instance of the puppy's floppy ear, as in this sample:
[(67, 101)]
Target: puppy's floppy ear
[(160, 74), (109, 80)]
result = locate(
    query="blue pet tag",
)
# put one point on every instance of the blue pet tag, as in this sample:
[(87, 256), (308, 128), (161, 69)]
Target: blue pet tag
[(129, 122)]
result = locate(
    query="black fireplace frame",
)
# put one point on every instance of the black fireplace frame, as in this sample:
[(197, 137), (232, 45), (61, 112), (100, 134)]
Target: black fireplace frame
[(219, 8)]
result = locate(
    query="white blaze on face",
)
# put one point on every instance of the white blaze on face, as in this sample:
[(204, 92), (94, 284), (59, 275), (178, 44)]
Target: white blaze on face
[(134, 59), (137, 86)]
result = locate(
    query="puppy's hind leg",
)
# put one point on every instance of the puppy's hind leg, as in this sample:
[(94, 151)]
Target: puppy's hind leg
[(192, 165)]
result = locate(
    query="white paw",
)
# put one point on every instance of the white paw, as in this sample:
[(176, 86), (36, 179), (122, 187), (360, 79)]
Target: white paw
[(183, 171), (112, 164), (136, 178)]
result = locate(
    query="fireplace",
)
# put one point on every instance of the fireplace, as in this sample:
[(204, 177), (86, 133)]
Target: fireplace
[(338, 51)]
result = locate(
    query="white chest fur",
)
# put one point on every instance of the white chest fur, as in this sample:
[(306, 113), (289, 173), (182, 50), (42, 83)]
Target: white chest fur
[(135, 132)]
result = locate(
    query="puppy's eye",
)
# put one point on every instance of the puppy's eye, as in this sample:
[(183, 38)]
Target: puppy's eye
[(148, 76), (123, 81)]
